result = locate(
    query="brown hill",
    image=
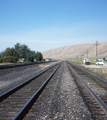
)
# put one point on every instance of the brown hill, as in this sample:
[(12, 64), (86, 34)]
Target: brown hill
[(81, 50)]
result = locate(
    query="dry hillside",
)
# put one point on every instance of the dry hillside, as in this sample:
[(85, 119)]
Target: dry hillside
[(77, 51)]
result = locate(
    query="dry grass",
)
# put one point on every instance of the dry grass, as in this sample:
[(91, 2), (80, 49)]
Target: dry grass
[(102, 73), (77, 62)]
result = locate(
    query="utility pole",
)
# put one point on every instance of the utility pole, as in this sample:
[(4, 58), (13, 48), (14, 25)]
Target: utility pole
[(96, 50), (81, 58), (5, 56), (87, 53)]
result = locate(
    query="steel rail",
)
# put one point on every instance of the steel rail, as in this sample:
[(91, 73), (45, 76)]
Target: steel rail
[(97, 99), (105, 82), (13, 90), (29, 104)]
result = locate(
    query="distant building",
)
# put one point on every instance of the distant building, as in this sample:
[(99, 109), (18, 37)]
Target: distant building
[(34, 60), (86, 61), (21, 60), (48, 59)]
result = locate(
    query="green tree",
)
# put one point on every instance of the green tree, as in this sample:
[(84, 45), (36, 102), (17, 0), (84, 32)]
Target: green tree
[(11, 52), (24, 51), (39, 56), (10, 55), (18, 47), (0, 55), (20, 51)]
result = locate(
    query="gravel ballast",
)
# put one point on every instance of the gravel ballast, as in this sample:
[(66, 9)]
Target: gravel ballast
[(61, 100), (12, 77)]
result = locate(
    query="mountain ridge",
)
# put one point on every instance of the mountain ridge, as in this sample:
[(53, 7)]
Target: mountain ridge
[(80, 50)]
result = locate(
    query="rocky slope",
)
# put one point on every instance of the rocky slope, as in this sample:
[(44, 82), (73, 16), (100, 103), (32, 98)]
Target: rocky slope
[(73, 51)]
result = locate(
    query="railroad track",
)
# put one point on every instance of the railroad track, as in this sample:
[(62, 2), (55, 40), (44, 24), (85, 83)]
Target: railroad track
[(15, 103), (6, 66), (93, 90)]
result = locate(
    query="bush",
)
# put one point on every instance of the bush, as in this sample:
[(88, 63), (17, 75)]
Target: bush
[(1, 60), (10, 59)]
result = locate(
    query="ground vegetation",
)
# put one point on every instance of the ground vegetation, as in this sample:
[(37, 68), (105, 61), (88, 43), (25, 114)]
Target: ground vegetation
[(12, 55)]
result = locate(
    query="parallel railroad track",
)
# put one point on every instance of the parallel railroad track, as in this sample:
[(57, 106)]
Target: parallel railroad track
[(93, 90), (14, 104), (7, 66)]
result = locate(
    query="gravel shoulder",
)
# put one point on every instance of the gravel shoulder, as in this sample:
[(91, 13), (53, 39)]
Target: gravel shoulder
[(99, 67), (10, 78), (61, 100)]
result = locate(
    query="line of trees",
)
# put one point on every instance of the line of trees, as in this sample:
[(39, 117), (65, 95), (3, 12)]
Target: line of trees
[(20, 51)]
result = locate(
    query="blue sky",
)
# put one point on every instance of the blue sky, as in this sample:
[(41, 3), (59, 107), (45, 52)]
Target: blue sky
[(49, 24)]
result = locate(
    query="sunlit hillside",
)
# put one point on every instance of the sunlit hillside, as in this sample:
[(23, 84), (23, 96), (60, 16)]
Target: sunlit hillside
[(80, 51)]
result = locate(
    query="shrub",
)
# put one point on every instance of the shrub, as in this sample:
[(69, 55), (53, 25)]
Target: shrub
[(10, 59)]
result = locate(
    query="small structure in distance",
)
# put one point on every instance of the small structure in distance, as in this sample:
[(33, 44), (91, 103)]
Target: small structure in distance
[(21, 60), (86, 61), (48, 59)]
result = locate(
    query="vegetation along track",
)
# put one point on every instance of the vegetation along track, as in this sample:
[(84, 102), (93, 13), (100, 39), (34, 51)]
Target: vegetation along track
[(93, 90), (14, 104)]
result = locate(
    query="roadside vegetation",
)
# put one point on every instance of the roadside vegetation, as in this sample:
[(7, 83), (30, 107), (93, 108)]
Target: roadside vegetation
[(77, 61), (81, 62), (102, 73), (92, 61), (12, 55)]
